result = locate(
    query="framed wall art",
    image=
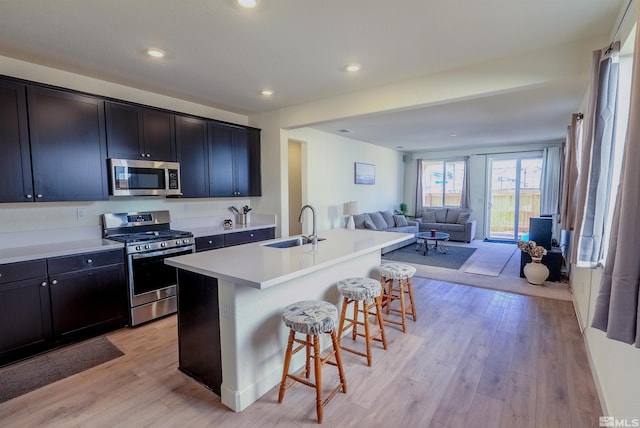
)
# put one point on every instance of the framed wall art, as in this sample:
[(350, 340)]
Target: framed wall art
[(365, 173)]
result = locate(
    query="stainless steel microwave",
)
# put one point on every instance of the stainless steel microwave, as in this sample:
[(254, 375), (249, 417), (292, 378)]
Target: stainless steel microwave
[(143, 177)]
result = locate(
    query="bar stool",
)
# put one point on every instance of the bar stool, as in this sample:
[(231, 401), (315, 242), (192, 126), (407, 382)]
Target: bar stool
[(389, 273), (312, 318), (367, 291)]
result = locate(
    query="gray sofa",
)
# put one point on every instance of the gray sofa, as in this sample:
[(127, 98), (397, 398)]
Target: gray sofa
[(387, 221), (454, 221)]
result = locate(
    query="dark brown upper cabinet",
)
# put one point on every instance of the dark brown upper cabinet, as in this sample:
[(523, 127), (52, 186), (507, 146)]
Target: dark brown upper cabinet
[(192, 143), (234, 161), (135, 132), (68, 145), (15, 156)]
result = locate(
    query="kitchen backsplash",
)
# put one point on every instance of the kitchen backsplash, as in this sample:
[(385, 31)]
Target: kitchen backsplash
[(30, 217)]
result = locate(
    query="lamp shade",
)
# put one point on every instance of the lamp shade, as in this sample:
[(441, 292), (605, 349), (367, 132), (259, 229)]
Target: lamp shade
[(350, 208)]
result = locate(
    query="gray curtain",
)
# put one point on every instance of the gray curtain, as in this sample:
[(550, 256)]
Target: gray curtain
[(419, 195), (465, 201), (570, 173), (602, 118), (617, 310)]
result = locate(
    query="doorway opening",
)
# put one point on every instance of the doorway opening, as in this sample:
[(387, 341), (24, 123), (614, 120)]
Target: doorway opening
[(295, 186)]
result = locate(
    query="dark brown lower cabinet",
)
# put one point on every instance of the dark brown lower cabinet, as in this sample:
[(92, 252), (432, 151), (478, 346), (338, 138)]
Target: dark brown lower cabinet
[(46, 303), (199, 329), (25, 310)]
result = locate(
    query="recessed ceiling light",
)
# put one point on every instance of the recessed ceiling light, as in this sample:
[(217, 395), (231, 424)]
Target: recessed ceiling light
[(453, 134), (248, 4), (266, 92), (352, 68), (156, 53)]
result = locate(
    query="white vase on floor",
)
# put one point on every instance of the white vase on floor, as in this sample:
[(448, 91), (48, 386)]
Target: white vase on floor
[(535, 272)]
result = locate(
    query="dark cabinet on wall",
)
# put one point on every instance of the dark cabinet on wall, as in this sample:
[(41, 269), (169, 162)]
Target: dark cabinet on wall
[(191, 140), (234, 161), (47, 302), (15, 157), (135, 132), (52, 145), (67, 145)]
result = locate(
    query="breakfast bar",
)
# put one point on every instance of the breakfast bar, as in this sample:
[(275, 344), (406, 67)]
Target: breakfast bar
[(230, 301)]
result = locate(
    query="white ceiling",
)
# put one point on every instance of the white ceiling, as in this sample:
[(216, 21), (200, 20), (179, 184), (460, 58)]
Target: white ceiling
[(221, 56)]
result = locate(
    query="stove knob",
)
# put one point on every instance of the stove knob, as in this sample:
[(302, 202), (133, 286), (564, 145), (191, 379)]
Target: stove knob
[(163, 244), (178, 242), (138, 248), (146, 247)]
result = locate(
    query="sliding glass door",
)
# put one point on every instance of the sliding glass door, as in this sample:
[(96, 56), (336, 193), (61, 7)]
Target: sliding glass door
[(514, 194)]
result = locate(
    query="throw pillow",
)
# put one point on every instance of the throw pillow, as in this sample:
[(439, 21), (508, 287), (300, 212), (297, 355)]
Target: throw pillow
[(368, 224), (400, 220), (441, 215), (428, 217), (388, 218), (463, 218), (359, 220), (452, 215), (378, 221)]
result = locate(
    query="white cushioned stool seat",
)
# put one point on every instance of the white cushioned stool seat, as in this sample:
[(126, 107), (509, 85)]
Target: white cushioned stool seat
[(396, 270), (359, 288), (311, 317)]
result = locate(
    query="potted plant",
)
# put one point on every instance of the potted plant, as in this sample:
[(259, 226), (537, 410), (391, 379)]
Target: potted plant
[(535, 272), (402, 210)]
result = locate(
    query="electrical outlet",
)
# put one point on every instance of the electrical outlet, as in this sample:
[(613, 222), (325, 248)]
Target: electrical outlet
[(81, 214)]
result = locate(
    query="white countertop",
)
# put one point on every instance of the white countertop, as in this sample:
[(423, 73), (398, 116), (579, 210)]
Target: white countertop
[(258, 266), (34, 252)]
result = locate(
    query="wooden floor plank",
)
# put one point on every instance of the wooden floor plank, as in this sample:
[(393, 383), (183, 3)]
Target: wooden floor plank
[(475, 357)]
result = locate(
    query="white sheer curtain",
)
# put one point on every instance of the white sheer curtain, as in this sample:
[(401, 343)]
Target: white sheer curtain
[(419, 194), (601, 121), (550, 183)]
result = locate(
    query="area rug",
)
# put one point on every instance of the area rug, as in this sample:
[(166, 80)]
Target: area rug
[(495, 262), (454, 258), (36, 372)]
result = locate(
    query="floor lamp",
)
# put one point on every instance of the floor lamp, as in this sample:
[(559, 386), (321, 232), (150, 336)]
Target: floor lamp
[(350, 209)]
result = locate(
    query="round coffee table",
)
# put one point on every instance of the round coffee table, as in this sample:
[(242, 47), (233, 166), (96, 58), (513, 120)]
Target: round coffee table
[(438, 242)]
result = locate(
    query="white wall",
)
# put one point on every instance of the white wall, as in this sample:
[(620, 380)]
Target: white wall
[(328, 163), (615, 365)]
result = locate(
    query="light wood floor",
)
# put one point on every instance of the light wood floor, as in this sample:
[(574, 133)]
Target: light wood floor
[(474, 358)]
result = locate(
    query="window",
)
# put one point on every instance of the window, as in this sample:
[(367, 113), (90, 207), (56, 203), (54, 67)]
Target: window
[(442, 183)]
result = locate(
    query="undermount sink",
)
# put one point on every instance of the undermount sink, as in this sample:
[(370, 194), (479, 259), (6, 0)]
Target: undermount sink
[(291, 242)]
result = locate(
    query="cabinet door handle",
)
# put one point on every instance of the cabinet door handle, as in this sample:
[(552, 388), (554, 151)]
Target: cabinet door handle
[(39, 195), (43, 284), (28, 196), (54, 282), (210, 242), (89, 261), (148, 155)]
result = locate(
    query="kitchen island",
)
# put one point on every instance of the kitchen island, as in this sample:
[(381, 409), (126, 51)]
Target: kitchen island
[(230, 301)]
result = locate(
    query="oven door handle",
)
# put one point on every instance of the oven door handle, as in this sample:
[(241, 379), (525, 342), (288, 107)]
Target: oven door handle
[(162, 252)]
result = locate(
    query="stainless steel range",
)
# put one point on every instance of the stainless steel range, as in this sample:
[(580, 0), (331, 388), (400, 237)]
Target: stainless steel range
[(148, 241)]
